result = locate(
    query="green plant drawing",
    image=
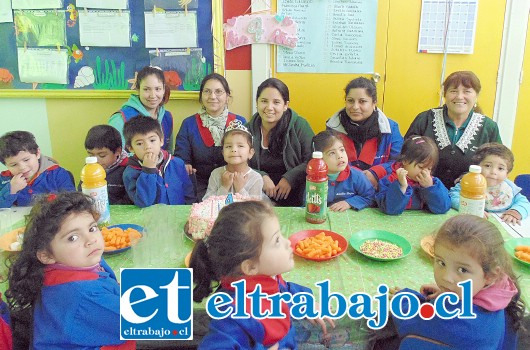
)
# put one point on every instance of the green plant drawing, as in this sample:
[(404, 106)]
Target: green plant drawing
[(51, 86), (45, 28), (193, 77), (108, 77)]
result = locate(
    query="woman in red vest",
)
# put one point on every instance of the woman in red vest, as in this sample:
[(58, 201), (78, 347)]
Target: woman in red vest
[(198, 141)]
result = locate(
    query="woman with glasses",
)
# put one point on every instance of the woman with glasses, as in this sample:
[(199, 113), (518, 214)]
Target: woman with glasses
[(372, 141), (149, 102), (198, 141), (282, 143)]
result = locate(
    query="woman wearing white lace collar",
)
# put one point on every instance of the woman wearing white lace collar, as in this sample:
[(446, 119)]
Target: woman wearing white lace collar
[(198, 141), (458, 127)]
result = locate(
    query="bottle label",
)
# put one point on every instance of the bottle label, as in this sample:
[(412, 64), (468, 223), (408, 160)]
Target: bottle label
[(472, 206), (316, 201), (100, 197)]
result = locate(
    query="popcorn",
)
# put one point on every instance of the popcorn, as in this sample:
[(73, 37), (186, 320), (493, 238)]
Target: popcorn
[(381, 249)]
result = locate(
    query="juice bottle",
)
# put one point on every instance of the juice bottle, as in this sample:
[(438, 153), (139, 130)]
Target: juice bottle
[(473, 192), (94, 185), (316, 189)]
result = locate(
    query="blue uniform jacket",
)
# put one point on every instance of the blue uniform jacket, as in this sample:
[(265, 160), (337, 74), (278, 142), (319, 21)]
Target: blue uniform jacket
[(167, 184), (229, 333), (51, 178), (353, 187), (392, 201), (379, 156), (489, 330), (78, 310), (195, 145), (519, 202)]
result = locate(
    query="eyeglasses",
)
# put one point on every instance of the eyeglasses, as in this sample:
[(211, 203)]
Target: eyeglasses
[(217, 92)]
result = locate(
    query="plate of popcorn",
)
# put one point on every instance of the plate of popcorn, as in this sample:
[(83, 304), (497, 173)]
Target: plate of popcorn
[(318, 245), (119, 238), (12, 240), (380, 245)]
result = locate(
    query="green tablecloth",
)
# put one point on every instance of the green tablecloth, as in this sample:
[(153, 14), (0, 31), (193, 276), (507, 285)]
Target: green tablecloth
[(351, 272)]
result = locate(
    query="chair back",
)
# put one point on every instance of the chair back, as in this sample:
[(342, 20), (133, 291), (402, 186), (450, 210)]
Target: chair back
[(523, 181)]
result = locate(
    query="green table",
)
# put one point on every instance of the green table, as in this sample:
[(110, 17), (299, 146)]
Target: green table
[(166, 245)]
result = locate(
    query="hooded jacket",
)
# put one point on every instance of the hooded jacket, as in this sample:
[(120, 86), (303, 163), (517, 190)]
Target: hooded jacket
[(134, 107), (50, 178)]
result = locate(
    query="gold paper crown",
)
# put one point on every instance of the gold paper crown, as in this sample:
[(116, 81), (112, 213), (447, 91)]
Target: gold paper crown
[(236, 124)]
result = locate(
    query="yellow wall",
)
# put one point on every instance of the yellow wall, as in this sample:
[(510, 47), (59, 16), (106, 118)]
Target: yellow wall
[(522, 122)]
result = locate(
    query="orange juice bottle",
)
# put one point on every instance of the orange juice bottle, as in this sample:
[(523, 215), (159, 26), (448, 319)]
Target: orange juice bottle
[(316, 189), (473, 192), (94, 185)]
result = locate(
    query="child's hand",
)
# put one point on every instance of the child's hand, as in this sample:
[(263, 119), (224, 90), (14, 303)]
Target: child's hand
[(424, 178), (283, 188), (486, 215), (512, 217), (340, 206), (227, 179), (190, 169), (269, 187), (274, 347), (430, 291), (18, 182), (150, 160), (322, 322), (371, 178), (402, 178), (239, 180)]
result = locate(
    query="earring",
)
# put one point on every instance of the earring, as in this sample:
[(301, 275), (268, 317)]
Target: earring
[(475, 105)]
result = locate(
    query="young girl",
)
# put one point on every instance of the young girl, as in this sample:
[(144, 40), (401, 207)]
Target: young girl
[(259, 254), (348, 187), (61, 283), (467, 247), (149, 102), (236, 176), (411, 185)]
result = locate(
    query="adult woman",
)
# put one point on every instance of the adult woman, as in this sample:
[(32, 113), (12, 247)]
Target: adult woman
[(282, 141), (458, 127), (152, 95), (372, 140), (198, 141)]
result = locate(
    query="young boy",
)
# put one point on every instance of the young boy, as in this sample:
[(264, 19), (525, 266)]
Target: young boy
[(104, 142), (153, 175), (28, 173), (347, 186), (502, 195)]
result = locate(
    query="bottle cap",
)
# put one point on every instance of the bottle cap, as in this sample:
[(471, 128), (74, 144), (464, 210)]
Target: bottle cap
[(91, 160), (476, 169), (317, 154)]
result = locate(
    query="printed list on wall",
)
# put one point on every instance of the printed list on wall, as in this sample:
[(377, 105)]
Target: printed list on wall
[(335, 36)]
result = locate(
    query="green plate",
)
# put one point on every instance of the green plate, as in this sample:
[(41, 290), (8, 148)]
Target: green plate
[(357, 239), (512, 243)]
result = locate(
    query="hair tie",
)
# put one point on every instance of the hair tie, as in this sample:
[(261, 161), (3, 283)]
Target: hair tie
[(421, 140), (51, 197)]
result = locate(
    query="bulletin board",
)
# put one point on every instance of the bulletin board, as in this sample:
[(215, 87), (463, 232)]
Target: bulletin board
[(92, 68)]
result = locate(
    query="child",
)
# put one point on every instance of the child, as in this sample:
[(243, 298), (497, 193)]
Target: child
[(467, 247), (104, 142), (348, 187), (153, 93), (259, 255), (153, 175), (236, 176), (28, 173), (503, 196), (60, 278), (411, 185)]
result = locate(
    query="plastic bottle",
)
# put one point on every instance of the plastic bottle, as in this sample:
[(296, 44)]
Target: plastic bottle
[(316, 189), (473, 192), (94, 185)]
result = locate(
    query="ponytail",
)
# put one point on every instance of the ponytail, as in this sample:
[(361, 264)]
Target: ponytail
[(203, 273)]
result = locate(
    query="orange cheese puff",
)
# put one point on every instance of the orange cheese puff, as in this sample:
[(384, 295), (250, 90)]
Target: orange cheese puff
[(523, 248)]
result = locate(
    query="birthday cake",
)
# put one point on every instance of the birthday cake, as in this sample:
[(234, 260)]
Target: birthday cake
[(203, 215)]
